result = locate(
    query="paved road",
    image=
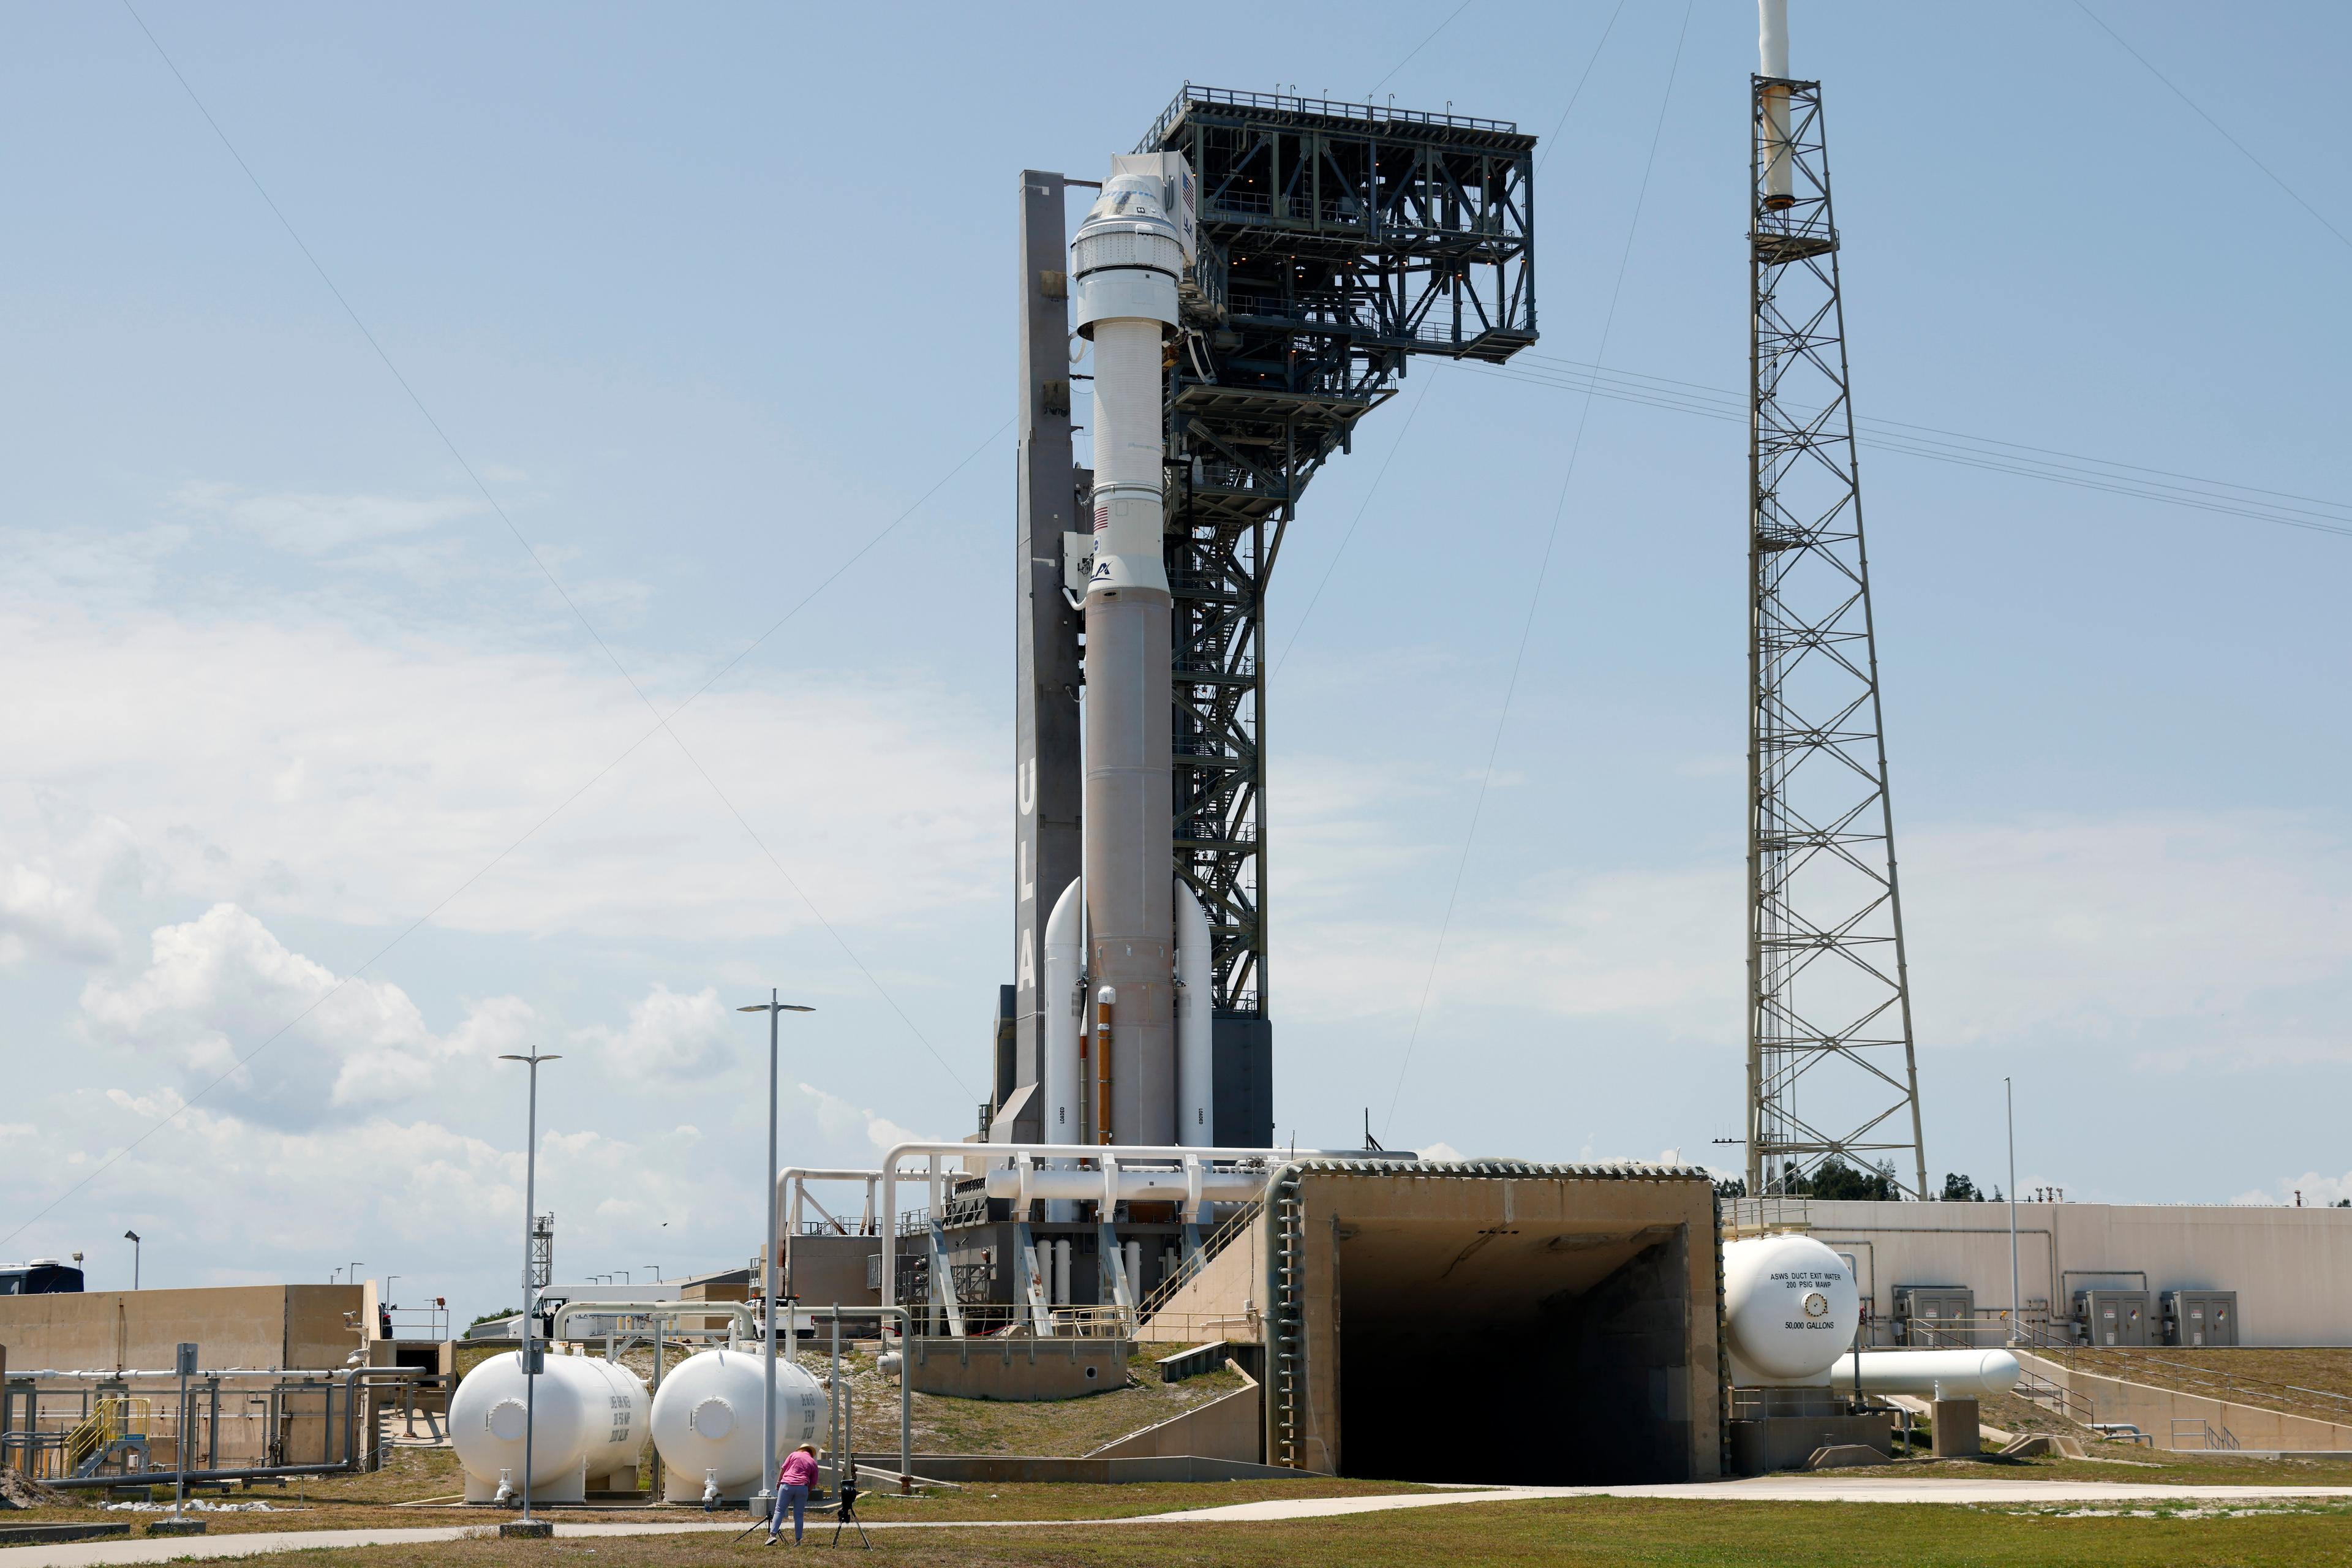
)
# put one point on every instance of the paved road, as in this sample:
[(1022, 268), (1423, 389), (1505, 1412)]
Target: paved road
[(1770, 1489)]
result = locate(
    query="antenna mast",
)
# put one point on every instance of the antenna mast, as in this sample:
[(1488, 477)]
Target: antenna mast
[(1828, 994)]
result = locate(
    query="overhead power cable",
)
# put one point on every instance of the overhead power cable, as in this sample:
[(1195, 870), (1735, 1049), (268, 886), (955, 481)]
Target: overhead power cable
[(1333, 564), (2051, 464), (1543, 565), (1418, 48), (2244, 151)]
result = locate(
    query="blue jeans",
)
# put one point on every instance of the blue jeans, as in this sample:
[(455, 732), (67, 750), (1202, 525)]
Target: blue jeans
[(798, 1497)]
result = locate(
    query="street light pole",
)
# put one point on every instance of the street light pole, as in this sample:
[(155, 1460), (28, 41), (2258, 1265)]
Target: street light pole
[(529, 1291), (2016, 1307), (767, 1497), (133, 1237)]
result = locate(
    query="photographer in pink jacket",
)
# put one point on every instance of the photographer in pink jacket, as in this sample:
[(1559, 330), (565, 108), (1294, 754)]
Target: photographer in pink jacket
[(793, 1483)]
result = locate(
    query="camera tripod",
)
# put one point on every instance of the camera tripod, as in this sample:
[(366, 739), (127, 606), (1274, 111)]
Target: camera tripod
[(847, 1512)]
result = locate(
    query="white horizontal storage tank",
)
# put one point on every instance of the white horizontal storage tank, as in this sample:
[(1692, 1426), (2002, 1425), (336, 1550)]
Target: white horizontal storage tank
[(1789, 1311), (1789, 1308), (707, 1422), (588, 1425)]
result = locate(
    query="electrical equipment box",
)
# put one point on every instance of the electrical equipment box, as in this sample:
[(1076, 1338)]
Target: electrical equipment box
[(2201, 1317), (1931, 1316), (2113, 1317)]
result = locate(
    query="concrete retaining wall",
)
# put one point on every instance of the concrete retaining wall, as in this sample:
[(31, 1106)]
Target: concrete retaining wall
[(1785, 1442), (1017, 1369), (290, 1326), (1229, 1426), (2153, 1410), (1098, 1471)]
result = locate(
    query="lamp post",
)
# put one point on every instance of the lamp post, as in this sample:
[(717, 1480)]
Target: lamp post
[(133, 1237), (530, 1295), (2016, 1307), (767, 1497), (656, 1268)]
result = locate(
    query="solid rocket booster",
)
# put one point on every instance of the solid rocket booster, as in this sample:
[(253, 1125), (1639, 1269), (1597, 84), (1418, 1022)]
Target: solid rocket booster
[(1124, 267), (1772, 52)]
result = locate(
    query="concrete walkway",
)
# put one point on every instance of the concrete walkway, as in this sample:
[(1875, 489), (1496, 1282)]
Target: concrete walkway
[(1764, 1488)]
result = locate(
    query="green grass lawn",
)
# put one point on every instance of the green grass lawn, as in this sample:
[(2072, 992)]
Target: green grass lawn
[(1563, 1532)]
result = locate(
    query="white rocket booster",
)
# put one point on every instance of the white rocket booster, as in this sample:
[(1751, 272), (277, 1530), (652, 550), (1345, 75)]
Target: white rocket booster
[(1124, 267)]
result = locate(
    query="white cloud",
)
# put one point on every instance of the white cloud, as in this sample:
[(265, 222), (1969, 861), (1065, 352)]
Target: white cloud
[(2318, 1192), (672, 1035), (309, 524), (40, 910), (837, 1118), (222, 987), (318, 769), (2101, 927), (2220, 939)]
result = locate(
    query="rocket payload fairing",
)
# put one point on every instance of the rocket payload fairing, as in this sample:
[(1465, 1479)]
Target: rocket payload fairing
[(1125, 264)]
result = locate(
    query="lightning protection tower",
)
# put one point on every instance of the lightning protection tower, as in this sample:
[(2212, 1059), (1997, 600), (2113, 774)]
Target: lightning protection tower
[(1831, 1073)]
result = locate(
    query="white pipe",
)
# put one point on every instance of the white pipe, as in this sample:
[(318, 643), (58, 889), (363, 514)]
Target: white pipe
[(1945, 1374), (1195, 990), (1772, 36), (1061, 1006), (1772, 49), (790, 1175), (997, 1155), (1062, 1272), (1132, 1187), (746, 1322)]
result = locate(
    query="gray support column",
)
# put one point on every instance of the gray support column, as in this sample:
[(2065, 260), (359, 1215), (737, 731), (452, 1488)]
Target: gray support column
[(1047, 781)]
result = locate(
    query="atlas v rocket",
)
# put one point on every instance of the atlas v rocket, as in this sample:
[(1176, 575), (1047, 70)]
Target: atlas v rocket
[(1126, 982)]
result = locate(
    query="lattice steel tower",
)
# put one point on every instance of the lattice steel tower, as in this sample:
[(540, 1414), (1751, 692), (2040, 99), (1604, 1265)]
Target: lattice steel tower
[(1828, 1008)]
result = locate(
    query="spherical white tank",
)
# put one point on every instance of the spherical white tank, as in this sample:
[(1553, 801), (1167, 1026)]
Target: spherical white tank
[(707, 1420), (1789, 1308), (588, 1420)]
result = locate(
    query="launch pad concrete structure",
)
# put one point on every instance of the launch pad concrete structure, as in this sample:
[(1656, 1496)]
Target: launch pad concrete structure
[(1484, 1322)]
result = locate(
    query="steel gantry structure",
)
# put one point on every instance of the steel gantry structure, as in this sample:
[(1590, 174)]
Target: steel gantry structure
[(1337, 242), (1829, 1007)]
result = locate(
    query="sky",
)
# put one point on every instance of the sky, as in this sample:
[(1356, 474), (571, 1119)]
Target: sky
[(536, 578)]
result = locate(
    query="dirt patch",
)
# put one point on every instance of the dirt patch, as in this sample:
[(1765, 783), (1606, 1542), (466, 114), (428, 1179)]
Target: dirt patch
[(17, 1491)]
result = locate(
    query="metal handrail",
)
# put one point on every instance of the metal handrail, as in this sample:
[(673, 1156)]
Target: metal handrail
[(1375, 113), (2197, 1426), (1190, 1269), (2212, 1378), (103, 1426), (2075, 1407)]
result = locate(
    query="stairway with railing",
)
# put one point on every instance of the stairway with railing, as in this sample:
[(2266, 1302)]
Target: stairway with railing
[(1235, 1225), (113, 1418), (2060, 1399)]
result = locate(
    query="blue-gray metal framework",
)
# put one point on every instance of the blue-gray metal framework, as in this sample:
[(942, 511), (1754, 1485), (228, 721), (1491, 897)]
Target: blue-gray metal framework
[(1337, 241), (1828, 994)]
